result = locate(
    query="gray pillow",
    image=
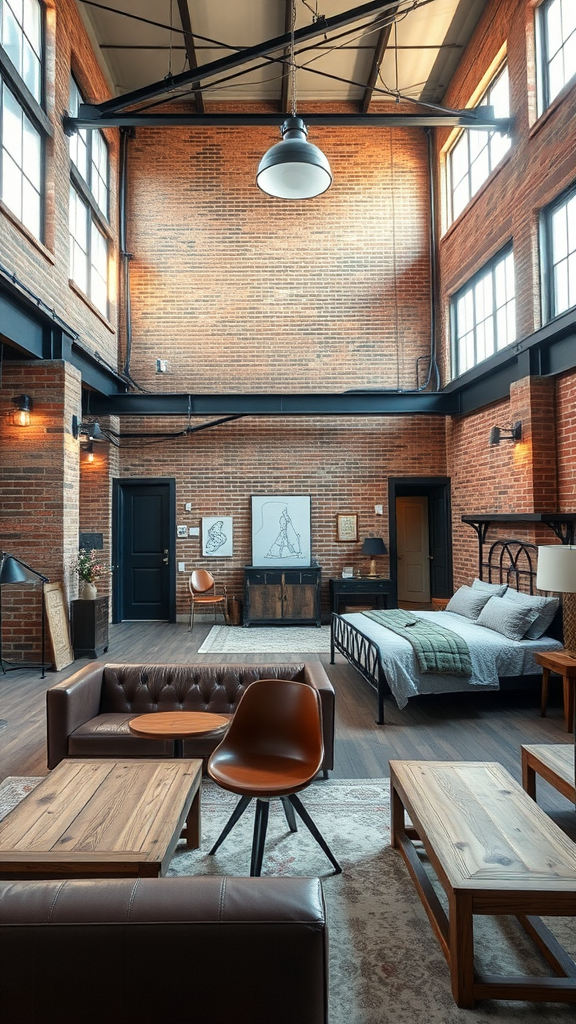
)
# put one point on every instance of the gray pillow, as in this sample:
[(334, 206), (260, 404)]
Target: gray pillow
[(468, 602), (507, 617), (491, 588), (546, 608)]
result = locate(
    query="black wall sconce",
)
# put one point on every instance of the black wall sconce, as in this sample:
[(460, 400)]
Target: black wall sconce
[(23, 407), (90, 431), (515, 434)]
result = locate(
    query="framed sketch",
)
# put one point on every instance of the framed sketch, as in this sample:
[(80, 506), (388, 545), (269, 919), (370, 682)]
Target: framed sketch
[(347, 526), (216, 536), (281, 529), (57, 619)]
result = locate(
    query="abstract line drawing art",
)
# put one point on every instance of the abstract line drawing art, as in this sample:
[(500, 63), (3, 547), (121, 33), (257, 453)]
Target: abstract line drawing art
[(281, 529), (216, 536)]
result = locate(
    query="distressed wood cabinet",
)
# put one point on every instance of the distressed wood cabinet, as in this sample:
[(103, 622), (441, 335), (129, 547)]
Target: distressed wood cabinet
[(276, 595)]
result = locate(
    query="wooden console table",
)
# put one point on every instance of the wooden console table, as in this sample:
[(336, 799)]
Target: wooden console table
[(378, 591)]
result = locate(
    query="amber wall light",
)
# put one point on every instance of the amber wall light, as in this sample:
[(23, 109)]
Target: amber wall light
[(23, 407)]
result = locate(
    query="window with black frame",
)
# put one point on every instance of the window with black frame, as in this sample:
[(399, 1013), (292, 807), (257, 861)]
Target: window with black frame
[(24, 125), (556, 41), (558, 250), (477, 152), (483, 313), (88, 214)]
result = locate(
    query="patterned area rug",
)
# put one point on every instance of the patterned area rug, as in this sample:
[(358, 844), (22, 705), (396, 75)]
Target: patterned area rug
[(385, 964), (267, 640)]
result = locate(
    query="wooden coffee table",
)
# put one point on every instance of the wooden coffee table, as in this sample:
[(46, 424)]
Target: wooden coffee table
[(178, 725), (108, 818)]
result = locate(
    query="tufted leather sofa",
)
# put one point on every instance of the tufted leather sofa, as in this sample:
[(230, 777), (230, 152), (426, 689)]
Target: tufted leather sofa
[(186, 950), (88, 713)]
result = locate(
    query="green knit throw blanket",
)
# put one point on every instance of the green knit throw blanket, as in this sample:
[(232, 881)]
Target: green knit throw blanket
[(437, 649)]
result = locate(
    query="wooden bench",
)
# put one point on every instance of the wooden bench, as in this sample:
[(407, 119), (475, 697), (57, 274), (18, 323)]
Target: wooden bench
[(494, 851), (554, 762)]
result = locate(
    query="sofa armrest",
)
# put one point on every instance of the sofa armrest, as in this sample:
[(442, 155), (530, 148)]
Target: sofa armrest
[(70, 704), (201, 949), (315, 675)]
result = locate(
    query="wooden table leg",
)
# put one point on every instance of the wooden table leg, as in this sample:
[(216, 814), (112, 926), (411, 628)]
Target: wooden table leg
[(544, 696), (461, 950), (192, 833), (528, 776), (568, 694), (397, 819)]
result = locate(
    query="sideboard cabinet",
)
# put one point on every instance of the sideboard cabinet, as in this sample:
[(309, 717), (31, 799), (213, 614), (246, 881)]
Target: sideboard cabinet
[(276, 595)]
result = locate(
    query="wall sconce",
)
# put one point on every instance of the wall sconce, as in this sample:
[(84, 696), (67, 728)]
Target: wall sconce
[(89, 449), (91, 431), (515, 434), (21, 414)]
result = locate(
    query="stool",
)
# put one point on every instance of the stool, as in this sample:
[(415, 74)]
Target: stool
[(564, 665)]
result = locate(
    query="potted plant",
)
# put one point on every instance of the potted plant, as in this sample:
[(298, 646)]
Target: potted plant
[(89, 569)]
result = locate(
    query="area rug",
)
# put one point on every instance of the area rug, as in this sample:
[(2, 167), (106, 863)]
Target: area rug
[(385, 964), (267, 640)]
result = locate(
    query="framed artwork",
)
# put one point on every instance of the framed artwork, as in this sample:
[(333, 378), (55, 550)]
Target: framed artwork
[(281, 529), (216, 536), (347, 526), (57, 619)]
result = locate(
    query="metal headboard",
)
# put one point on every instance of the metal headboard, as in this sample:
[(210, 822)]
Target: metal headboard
[(512, 562)]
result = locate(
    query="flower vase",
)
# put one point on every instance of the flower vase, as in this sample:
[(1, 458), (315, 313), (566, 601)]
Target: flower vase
[(87, 591)]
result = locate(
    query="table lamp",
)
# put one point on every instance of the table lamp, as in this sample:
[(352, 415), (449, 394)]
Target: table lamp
[(374, 547), (557, 572)]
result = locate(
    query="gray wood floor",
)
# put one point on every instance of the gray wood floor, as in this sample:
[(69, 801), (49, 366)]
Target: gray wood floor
[(486, 727)]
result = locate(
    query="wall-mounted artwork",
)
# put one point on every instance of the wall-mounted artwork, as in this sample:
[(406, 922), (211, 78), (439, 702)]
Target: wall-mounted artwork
[(216, 536), (281, 529)]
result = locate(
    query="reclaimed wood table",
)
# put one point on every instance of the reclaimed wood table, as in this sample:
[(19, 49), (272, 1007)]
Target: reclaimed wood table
[(494, 851), (564, 664), (103, 818), (178, 725), (554, 762)]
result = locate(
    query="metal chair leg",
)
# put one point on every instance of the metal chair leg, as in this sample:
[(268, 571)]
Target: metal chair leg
[(301, 810), (191, 624), (260, 826), (289, 812), (234, 817)]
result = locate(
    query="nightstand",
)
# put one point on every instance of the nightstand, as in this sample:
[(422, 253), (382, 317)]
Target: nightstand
[(439, 603), (564, 665)]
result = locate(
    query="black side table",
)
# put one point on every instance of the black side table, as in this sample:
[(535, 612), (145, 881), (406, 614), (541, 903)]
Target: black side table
[(377, 591), (90, 627)]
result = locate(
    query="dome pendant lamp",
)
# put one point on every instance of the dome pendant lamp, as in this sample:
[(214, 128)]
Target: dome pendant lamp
[(294, 168)]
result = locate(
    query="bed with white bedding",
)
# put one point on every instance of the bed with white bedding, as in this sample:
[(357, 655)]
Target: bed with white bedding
[(389, 662)]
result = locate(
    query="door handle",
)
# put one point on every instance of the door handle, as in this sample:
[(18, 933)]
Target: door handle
[(167, 558)]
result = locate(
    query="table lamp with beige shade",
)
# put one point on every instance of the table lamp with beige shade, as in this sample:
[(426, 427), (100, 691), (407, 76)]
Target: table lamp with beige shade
[(557, 572)]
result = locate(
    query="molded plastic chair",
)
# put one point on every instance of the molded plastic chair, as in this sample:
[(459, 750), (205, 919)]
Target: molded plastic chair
[(206, 593), (273, 748)]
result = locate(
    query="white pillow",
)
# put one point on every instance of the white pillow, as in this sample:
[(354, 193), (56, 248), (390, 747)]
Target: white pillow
[(546, 608), (468, 602), (508, 618), (492, 588)]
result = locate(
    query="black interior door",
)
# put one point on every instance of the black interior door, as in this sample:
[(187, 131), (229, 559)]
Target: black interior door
[(144, 544)]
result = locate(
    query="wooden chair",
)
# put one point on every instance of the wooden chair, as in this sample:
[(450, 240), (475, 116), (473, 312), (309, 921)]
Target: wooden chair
[(206, 593), (273, 748)]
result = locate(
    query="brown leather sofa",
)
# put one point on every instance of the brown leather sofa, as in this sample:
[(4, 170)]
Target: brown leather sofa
[(194, 950), (88, 713)]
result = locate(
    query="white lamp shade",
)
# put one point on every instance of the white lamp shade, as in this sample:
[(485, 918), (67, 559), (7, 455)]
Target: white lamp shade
[(557, 568)]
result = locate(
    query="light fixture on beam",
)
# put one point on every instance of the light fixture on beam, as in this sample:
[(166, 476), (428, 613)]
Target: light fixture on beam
[(90, 431), (23, 407), (294, 168), (497, 434)]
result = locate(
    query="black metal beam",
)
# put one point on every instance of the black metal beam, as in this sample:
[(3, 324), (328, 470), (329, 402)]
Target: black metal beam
[(239, 58), (347, 403), (478, 117), (380, 50), (184, 12)]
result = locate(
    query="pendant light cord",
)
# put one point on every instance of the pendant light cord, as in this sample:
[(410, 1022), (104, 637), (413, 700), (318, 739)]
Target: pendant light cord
[(292, 64)]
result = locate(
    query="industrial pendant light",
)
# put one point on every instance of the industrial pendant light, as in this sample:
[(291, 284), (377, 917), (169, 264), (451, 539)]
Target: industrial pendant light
[(294, 168)]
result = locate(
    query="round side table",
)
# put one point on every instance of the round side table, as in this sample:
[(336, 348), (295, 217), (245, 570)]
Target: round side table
[(178, 726)]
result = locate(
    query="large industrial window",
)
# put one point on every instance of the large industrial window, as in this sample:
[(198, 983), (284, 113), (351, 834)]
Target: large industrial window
[(89, 198), (483, 314), (556, 33), (477, 152), (23, 123), (559, 255)]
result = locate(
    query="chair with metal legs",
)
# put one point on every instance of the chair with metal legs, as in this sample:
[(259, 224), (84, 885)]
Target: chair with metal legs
[(273, 749), (206, 593)]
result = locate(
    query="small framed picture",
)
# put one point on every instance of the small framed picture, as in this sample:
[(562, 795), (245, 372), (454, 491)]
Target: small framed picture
[(181, 531), (216, 536), (347, 526)]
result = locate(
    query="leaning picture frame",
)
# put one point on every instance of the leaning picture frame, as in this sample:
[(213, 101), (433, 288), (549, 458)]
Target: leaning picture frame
[(281, 531), (217, 539), (347, 526)]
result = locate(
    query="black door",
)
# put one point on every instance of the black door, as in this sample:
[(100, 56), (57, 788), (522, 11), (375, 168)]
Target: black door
[(144, 544)]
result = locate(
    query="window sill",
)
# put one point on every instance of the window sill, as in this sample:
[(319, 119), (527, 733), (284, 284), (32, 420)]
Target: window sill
[(94, 309), (27, 233)]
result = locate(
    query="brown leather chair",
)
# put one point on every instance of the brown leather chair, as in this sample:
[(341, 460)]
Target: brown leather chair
[(206, 593), (273, 748)]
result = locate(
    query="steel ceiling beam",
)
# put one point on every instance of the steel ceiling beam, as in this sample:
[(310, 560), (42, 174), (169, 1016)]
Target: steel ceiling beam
[(174, 82), (380, 50), (477, 117), (347, 403), (184, 12)]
